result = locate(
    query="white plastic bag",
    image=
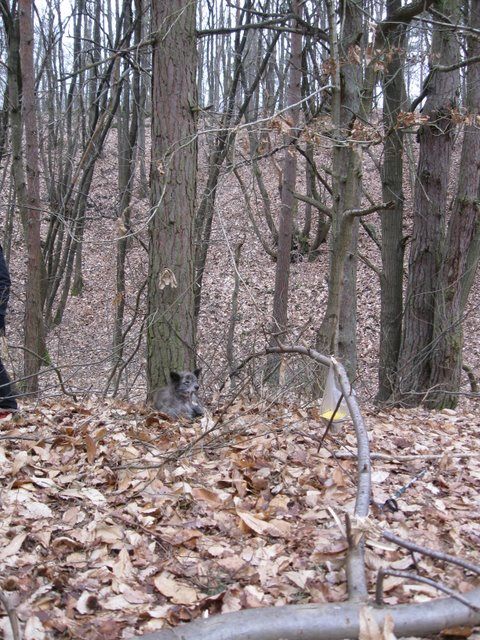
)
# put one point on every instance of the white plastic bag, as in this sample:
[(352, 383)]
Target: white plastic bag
[(331, 396)]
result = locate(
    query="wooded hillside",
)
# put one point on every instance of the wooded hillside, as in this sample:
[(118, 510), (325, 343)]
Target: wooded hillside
[(335, 174), (234, 187)]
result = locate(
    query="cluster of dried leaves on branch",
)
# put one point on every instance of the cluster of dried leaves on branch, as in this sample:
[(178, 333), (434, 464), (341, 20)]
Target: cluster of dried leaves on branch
[(116, 522)]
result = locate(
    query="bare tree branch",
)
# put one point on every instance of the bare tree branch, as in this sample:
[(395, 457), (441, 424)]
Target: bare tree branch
[(358, 213), (439, 555), (331, 621), (416, 578)]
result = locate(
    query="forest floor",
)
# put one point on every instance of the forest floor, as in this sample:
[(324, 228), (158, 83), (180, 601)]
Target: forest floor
[(117, 522)]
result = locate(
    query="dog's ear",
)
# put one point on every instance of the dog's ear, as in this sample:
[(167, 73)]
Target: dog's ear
[(197, 372), (175, 377)]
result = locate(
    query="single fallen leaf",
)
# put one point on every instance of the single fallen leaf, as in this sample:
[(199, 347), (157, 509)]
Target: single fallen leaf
[(178, 537), (253, 523), (159, 612), (135, 596), (44, 483), (456, 632), (275, 528), (379, 476), (109, 533), (123, 568), (93, 495), (34, 629), (206, 495), (73, 516), (391, 582), (177, 592), (253, 596), (300, 578), (369, 629), (117, 603), (36, 511), (91, 448), (20, 460), (13, 547), (65, 543)]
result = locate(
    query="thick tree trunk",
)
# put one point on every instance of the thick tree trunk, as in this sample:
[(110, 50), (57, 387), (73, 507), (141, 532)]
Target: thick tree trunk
[(170, 329), (461, 255), (391, 279), (430, 201)]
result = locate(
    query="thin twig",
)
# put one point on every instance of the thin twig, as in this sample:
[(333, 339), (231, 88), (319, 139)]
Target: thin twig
[(12, 616), (410, 457), (439, 555), (413, 576)]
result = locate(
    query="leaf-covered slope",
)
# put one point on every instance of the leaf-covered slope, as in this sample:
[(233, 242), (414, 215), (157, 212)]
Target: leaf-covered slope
[(116, 522)]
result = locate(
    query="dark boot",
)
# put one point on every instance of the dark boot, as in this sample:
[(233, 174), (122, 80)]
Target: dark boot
[(7, 397)]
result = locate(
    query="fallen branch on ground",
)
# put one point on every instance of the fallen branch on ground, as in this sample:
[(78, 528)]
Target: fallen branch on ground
[(334, 621)]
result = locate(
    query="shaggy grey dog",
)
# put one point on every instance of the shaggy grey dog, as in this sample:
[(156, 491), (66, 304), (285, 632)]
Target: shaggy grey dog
[(179, 399)]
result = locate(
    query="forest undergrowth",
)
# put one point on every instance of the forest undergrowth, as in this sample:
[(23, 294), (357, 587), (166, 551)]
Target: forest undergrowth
[(118, 522)]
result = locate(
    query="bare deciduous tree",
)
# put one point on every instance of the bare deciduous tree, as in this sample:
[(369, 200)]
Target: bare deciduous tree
[(171, 326)]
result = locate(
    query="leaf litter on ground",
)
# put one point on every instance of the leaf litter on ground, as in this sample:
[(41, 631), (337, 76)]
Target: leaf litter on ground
[(117, 522)]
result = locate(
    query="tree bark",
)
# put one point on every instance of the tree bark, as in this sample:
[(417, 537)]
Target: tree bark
[(330, 621), (336, 334), (461, 256), (288, 203), (30, 206), (391, 278), (170, 331), (430, 201)]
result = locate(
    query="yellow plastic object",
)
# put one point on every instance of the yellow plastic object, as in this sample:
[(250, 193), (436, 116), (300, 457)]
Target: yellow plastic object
[(330, 400), (339, 416)]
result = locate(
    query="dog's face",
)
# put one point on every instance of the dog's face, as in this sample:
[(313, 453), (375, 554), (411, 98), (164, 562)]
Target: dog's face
[(185, 383)]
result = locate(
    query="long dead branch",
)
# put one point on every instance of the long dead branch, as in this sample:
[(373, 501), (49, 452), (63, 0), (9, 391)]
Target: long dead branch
[(12, 616), (330, 621)]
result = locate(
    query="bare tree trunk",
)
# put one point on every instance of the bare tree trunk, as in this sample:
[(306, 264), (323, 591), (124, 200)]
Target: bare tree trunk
[(223, 141), (4, 122), (461, 254), (430, 202), (127, 139), (76, 182), (84, 102), (30, 206), (391, 278), (336, 334), (221, 146), (171, 326), (287, 207)]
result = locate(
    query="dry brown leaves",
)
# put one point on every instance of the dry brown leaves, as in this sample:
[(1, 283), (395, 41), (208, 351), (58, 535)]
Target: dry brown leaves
[(116, 522)]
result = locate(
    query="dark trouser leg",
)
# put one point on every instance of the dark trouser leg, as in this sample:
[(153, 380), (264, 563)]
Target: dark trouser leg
[(7, 399)]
